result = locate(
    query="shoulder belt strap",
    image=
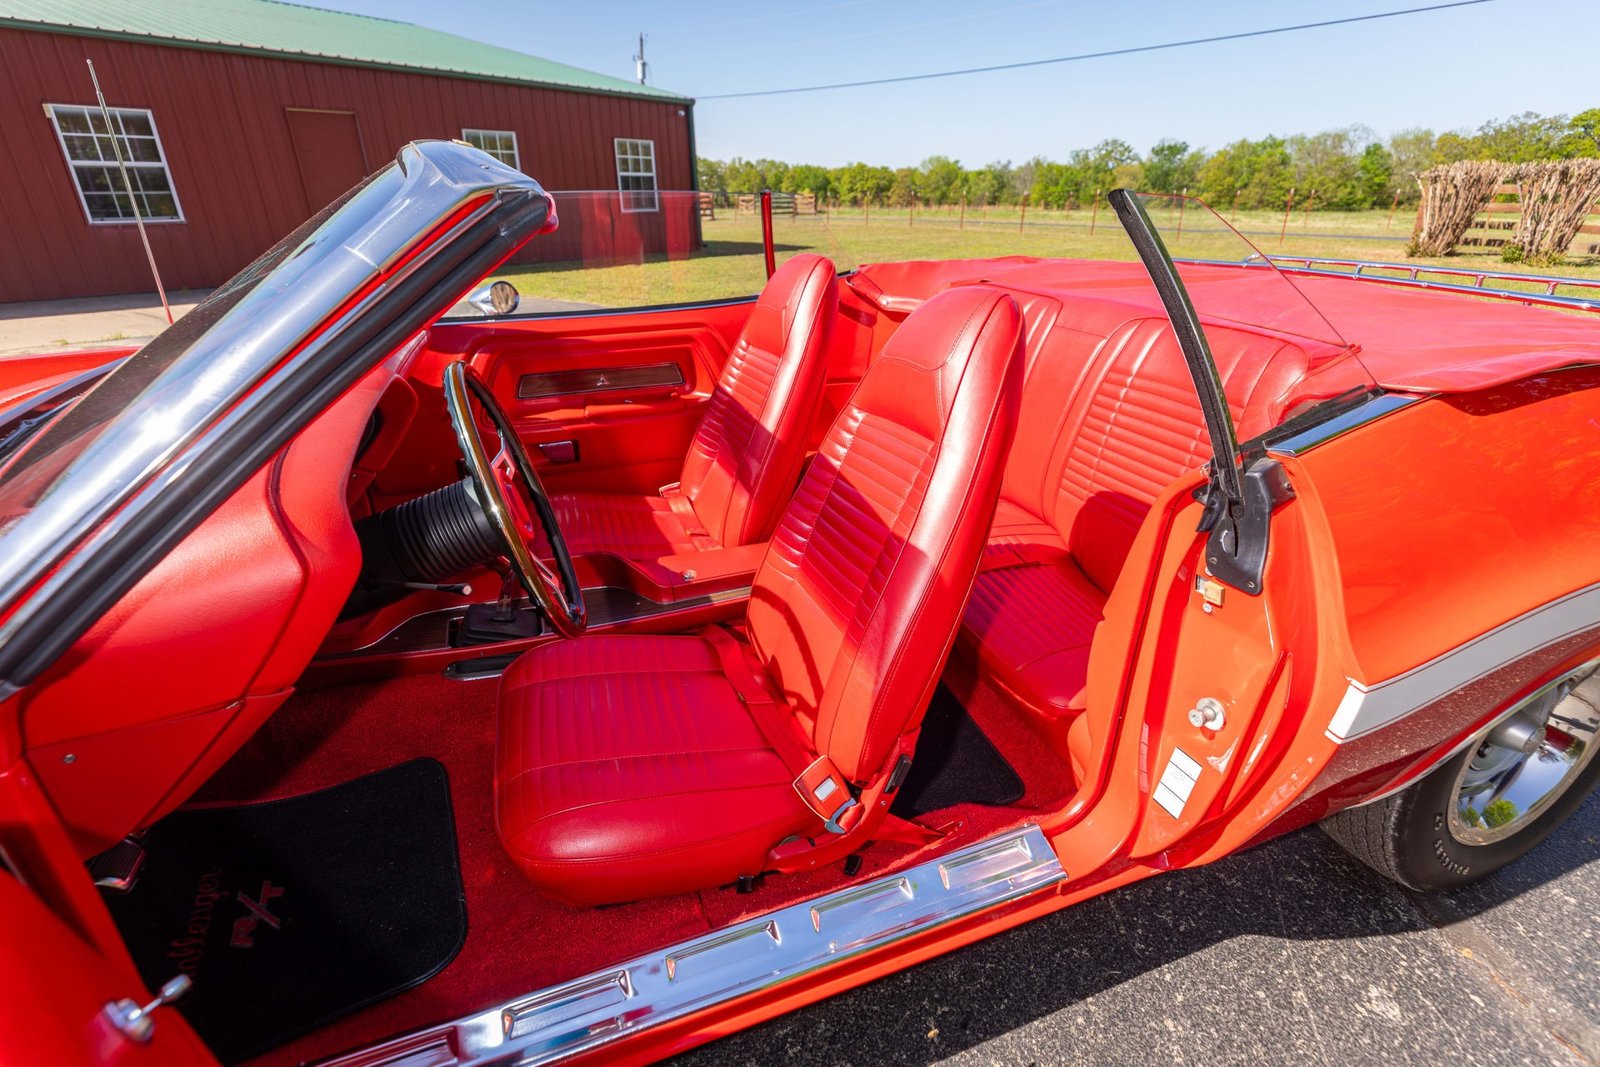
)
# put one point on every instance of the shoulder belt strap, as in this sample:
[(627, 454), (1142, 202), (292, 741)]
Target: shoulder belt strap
[(817, 781)]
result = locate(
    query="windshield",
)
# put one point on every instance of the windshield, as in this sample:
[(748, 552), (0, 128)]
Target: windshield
[(182, 421), (1276, 354)]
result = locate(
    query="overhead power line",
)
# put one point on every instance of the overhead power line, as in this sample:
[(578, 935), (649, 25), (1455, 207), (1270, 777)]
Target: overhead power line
[(1243, 35)]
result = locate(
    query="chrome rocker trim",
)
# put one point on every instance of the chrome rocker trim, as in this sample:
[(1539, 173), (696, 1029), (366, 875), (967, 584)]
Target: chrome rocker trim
[(580, 1015)]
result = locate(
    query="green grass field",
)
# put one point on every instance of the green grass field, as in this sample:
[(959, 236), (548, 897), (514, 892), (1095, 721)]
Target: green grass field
[(730, 263)]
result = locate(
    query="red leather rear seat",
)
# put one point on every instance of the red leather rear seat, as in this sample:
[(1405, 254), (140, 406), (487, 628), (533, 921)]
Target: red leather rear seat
[(1109, 419)]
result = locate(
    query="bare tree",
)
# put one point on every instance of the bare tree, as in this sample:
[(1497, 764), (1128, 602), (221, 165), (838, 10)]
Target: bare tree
[(1556, 199), (1452, 196)]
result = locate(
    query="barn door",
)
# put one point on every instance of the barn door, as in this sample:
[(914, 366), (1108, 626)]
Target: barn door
[(328, 151)]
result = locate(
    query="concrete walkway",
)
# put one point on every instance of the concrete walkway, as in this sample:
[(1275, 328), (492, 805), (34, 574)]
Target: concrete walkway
[(41, 325)]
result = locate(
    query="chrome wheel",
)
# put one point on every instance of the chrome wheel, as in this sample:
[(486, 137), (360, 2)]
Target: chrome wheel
[(1528, 759)]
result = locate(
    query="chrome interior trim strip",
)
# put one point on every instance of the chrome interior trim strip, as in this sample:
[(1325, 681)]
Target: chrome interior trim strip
[(429, 631), (1341, 424), (757, 954), (605, 379), (1366, 708)]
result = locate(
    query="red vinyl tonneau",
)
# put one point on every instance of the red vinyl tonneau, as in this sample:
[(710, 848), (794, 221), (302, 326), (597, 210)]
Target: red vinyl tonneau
[(1409, 340)]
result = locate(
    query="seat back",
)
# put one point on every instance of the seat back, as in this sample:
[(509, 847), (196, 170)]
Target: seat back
[(1110, 417), (857, 601), (1137, 426), (746, 455)]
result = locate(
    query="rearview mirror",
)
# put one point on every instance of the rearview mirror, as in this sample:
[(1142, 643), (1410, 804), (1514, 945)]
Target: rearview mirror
[(496, 298)]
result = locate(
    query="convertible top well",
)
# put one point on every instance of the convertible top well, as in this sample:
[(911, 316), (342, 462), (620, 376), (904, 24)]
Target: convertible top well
[(1409, 340)]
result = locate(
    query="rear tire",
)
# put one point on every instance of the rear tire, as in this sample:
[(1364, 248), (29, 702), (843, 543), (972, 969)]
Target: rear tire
[(1483, 808)]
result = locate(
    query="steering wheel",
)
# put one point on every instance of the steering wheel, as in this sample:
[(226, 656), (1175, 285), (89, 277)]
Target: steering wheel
[(511, 494)]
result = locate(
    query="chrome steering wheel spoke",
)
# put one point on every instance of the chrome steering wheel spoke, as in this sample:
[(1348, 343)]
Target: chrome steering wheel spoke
[(512, 495)]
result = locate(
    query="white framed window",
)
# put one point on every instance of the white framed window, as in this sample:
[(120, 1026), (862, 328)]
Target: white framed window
[(88, 145), (501, 144), (636, 174)]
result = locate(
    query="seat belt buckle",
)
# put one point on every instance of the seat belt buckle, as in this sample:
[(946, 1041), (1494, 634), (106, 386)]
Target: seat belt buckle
[(823, 789)]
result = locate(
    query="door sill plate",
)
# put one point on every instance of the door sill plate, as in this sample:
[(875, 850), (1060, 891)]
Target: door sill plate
[(744, 958)]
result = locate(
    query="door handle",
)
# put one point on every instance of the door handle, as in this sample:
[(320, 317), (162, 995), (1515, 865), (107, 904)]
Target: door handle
[(559, 451)]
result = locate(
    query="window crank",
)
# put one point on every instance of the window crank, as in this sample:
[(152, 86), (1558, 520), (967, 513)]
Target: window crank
[(133, 1021), (1207, 714)]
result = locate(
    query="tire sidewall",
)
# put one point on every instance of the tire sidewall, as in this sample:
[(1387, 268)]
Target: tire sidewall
[(1429, 857)]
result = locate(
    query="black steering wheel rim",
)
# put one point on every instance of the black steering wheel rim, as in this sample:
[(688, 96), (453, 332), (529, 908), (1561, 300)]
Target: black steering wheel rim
[(564, 605)]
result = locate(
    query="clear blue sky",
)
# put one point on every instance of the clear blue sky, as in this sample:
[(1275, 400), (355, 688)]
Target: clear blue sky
[(1445, 70)]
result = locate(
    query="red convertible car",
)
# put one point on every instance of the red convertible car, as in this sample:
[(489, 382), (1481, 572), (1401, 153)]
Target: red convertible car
[(383, 689)]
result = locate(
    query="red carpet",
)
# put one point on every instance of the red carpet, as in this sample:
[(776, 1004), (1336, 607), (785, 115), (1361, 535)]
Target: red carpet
[(518, 941)]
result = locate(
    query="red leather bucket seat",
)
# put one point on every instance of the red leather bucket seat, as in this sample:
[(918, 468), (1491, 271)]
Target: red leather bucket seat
[(636, 766), (746, 453)]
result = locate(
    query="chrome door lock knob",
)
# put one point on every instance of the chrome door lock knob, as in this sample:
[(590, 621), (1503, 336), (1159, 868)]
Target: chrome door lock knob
[(1207, 714), (133, 1021)]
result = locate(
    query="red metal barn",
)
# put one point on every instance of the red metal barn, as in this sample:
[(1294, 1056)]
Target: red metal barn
[(240, 118)]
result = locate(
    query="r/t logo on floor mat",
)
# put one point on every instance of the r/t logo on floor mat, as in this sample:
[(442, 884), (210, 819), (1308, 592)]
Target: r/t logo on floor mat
[(244, 928)]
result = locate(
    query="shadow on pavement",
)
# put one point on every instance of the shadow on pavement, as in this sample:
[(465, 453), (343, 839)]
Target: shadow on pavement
[(1289, 952)]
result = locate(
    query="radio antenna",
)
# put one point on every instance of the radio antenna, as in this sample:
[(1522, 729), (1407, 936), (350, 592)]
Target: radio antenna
[(127, 184)]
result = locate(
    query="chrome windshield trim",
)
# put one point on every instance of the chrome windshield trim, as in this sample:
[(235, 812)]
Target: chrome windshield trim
[(261, 329), (747, 957)]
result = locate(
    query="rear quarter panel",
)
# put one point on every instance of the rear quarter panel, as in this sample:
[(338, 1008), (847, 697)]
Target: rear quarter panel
[(1464, 531)]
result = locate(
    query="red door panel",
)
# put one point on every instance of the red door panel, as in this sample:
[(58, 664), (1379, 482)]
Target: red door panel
[(606, 403)]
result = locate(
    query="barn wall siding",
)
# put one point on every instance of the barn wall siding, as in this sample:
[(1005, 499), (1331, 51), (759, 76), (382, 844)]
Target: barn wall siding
[(222, 125)]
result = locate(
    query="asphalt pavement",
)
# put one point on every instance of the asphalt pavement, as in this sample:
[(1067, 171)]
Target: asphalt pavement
[(1289, 953)]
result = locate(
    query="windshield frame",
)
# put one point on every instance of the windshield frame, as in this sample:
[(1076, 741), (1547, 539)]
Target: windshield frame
[(262, 356)]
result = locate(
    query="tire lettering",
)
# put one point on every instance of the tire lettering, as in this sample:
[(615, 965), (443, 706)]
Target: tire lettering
[(1460, 869)]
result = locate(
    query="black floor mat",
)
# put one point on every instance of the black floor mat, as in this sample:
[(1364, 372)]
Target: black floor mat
[(954, 764), (290, 913)]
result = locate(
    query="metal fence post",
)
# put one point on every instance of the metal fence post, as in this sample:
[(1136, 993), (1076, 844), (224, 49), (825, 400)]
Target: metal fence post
[(766, 232)]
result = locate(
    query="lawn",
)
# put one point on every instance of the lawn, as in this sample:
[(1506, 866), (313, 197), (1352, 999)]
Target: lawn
[(730, 264)]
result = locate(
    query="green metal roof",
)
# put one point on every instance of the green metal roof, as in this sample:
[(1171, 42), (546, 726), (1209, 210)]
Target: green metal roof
[(278, 28)]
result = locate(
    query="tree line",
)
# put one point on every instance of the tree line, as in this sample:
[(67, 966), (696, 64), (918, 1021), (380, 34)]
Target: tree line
[(1347, 169)]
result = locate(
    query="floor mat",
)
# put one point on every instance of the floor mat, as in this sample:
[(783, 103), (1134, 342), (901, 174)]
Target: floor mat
[(290, 913), (954, 764)]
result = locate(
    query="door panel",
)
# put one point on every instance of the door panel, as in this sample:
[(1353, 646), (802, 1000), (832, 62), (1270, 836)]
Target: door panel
[(633, 402), (55, 988), (604, 403)]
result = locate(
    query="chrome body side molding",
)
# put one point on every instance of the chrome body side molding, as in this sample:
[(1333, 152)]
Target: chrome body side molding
[(759, 953), (1366, 708)]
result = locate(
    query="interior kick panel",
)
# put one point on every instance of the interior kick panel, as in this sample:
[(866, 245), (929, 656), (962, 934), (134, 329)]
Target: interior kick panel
[(169, 682)]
